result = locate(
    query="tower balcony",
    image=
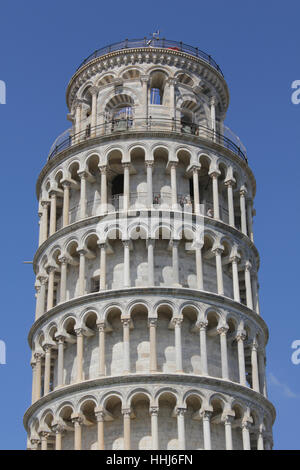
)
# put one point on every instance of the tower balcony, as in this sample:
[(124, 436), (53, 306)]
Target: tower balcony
[(163, 125), (163, 43)]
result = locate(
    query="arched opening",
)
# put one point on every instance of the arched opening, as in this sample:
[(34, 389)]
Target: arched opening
[(217, 425), (89, 430), (167, 426), (190, 341), (141, 438), (119, 112), (114, 357), (213, 345), (139, 340), (165, 340), (157, 87), (113, 429), (193, 423)]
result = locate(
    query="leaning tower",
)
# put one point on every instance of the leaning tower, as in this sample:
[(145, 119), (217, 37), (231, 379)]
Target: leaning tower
[(147, 331)]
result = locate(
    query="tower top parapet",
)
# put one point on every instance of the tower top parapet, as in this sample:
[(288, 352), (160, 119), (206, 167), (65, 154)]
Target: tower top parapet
[(153, 42)]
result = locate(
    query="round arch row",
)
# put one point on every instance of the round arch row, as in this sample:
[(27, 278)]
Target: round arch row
[(211, 420), (141, 338)]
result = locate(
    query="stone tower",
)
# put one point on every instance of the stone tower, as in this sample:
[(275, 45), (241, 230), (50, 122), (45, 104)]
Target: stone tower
[(147, 332)]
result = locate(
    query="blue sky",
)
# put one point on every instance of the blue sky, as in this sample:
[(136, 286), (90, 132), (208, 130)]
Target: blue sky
[(256, 45)]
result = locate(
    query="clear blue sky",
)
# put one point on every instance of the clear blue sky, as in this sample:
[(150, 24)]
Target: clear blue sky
[(257, 46)]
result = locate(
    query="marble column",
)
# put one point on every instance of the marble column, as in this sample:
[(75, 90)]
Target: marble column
[(214, 175), (199, 265), (178, 348), (249, 218), (206, 415), (203, 350), (175, 261), (47, 375), (66, 202), (219, 270), (243, 192), (102, 283), (150, 248), (235, 278), (44, 221), (79, 357), (58, 429), (53, 201), (213, 116), (50, 296), (94, 92), (42, 295), (126, 244), (240, 338), (82, 203), (78, 422), (100, 429), (254, 366), (101, 330), (81, 282), (126, 196), (154, 427), (38, 375), (229, 185), (103, 170), (63, 278), (249, 298), (152, 341), (196, 190), (149, 169), (126, 423), (228, 431), (126, 345), (173, 166), (224, 356), (181, 428), (60, 360), (246, 436)]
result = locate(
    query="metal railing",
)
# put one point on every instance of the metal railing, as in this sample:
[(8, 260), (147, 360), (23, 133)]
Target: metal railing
[(146, 125), (153, 42)]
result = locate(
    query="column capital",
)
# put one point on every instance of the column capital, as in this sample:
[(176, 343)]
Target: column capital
[(43, 279), (202, 324), (230, 182), (45, 203), (126, 412), (82, 174), (149, 164), (206, 414), (93, 90), (100, 415), (152, 322), (47, 347), (243, 191), (103, 169), (241, 335), (153, 410), (82, 252), (79, 331), (180, 411), (177, 321), (248, 266), (66, 183), (101, 325), (77, 418), (126, 164), (223, 329), (51, 268), (218, 250), (38, 356), (214, 173), (58, 428), (144, 78), (125, 322), (60, 338)]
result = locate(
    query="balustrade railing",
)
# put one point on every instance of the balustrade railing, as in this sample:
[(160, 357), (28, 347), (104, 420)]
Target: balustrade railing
[(145, 125)]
